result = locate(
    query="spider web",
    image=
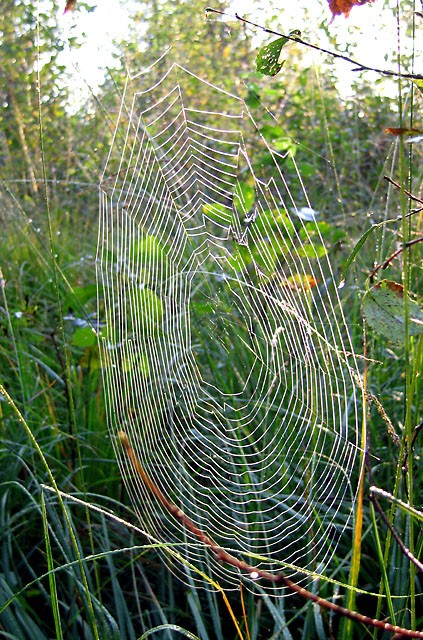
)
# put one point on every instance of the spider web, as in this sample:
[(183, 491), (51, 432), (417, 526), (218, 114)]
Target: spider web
[(223, 345)]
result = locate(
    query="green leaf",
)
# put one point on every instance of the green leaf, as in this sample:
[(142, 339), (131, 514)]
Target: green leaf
[(79, 296), (84, 337), (150, 255), (147, 309), (383, 307), (284, 144), (272, 132), (315, 250), (139, 363), (419, 85), (306, 169), (240, 258), (267, 60), (218, 213), (244, 196), (253, 97), (148, 249), (357, 248)]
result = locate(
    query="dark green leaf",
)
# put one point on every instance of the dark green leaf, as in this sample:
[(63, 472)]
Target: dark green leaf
[(384, 309), (79, 296)]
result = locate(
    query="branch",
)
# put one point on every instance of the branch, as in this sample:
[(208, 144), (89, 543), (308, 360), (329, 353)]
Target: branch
[(387, 262), (253, 572), (359, 66), (400, 188)]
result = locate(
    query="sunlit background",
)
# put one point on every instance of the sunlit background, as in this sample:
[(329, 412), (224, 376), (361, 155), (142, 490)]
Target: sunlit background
[(369, 34)]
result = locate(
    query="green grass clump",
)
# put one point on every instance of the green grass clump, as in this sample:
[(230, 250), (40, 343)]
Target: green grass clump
[(72, 562)]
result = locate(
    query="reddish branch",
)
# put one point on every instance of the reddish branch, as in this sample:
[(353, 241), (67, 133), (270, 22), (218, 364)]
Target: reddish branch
[(400, 188), (254, 572), (385, 264)]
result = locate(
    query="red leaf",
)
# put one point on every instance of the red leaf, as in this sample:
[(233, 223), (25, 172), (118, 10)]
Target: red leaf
[(70, 5), (344, 6)]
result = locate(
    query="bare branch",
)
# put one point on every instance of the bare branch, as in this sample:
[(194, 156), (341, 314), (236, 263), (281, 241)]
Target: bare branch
[(407, 193), (359, 66), (385, 264)]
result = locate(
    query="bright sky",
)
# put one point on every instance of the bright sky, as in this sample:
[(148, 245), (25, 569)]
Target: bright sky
[(372, 27)]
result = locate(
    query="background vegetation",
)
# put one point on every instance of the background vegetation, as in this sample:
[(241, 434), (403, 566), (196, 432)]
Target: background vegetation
[(68, 571)]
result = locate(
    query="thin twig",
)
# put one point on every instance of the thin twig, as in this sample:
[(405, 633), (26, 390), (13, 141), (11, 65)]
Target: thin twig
[(253, 572), (405, 550), (359, 65), (385, 264), (416, 432), (398, 186)]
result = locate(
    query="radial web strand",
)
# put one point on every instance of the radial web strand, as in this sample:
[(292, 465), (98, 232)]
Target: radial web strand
[(226, 360)]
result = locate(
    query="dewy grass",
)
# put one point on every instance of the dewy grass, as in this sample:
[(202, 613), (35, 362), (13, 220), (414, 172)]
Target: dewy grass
[(51, 575), (36, 446), (38, 450)]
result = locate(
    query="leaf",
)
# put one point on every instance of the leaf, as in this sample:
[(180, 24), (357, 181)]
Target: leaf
[(147, 249), (70, 5), (267, 60), (312, 251), (383, 307), (339, 7), (84, 337), (138, 363), (217, 213), (399, 131), (79, 296), (253, 98), (148, 310), (244, 196), (150, 255), (356, 249), (419, 85)]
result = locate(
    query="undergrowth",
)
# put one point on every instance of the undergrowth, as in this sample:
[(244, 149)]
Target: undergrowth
[(68, 570)]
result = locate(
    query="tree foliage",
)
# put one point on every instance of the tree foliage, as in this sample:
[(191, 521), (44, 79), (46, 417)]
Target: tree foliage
[(30, 79)]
